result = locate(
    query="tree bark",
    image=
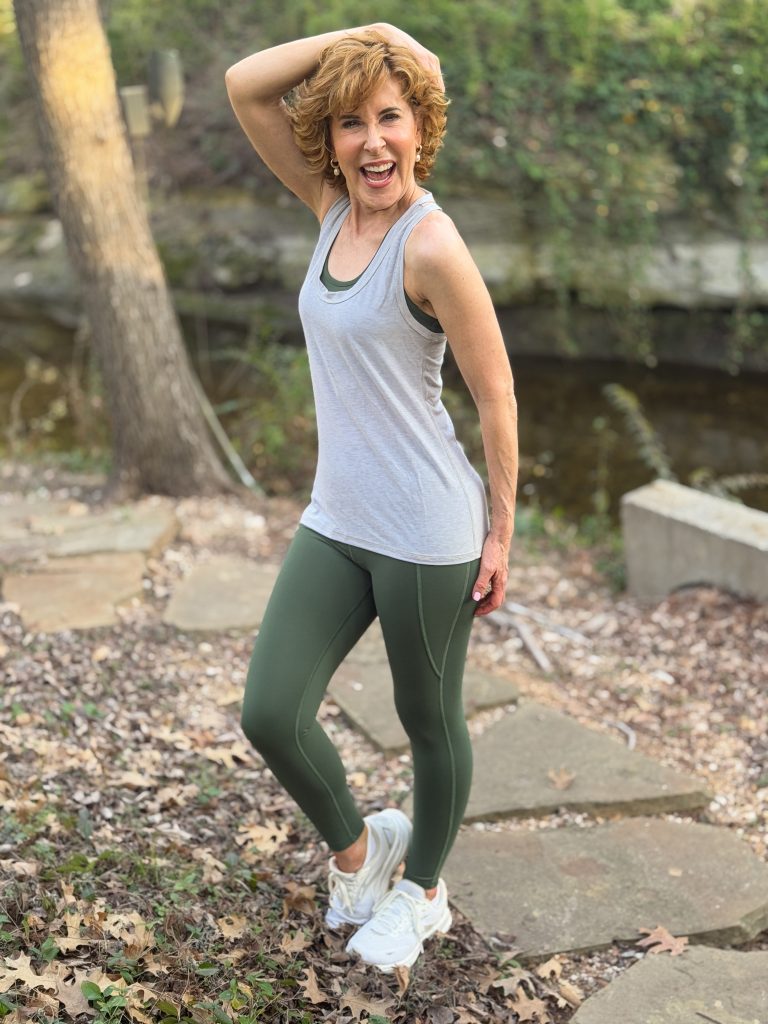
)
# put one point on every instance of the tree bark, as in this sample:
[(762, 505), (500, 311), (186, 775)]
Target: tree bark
[(159, 436)]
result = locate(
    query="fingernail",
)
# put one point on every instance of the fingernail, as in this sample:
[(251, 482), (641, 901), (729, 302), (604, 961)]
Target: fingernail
[(477, 595)]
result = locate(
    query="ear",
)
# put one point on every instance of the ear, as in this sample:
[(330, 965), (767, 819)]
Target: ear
[(418, 117)]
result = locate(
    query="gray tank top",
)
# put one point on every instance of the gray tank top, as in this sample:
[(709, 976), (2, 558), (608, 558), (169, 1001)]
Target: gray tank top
[(391, 475)]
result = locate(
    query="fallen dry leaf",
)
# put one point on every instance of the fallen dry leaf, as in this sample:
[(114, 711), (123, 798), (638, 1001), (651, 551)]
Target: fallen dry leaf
[(232, 926), (560, 778), (134, 780), (403, 975), (667, 943), (226, 755), (21, 868), (264, 838), (19, 970), (512, 980), (570, 993), (530, 1009), (552, 968), (311, 988), (357, 1002), (465, 1016), (300, 897), (294, 943), (71, 997)]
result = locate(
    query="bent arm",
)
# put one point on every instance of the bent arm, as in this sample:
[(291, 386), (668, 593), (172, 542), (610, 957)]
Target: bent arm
[(256, 86), (265, 77), (448, 278)]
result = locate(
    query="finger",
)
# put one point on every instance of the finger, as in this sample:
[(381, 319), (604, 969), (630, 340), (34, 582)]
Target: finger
[(482, 585), (494, 598)]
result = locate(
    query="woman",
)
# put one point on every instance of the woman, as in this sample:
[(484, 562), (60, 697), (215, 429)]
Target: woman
[(397, 526)]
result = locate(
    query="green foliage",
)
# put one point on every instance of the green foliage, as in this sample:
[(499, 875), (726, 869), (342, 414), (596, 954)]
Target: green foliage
[(651, 451), (109, 1003), (275, 430), (649, 445), (600, 118)]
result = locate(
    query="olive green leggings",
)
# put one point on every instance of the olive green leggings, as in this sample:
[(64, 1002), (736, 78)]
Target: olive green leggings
[(326, 595)]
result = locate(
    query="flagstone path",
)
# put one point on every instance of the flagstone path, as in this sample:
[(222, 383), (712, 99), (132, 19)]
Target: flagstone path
[(700, 985), (544, 891)]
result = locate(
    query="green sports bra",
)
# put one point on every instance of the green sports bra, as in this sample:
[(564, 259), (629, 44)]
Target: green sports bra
[(333, 285)]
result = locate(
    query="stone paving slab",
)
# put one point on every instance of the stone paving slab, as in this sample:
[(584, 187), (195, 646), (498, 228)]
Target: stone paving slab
[(75, 593), (520, 761), (222, 593), (17, 544), (31, 530), (575, 889), (363, 689), (700, 985)]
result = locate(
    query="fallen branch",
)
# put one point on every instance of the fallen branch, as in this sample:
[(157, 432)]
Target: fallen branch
[(628, 732), (531, 645), (543, 620)]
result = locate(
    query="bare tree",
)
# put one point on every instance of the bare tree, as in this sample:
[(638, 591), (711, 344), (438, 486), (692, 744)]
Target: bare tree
[(159, 434)]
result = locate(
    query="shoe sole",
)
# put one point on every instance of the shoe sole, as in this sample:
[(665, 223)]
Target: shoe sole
[(400, 821), (442, 927)]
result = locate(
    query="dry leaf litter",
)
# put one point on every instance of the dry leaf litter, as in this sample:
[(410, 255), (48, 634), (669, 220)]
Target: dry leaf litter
[(147, 844)]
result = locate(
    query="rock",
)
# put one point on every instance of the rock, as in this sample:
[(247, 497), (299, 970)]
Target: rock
[(700, 985), (223, 593), (536, 761), (30, 530), (676, 535), (576, 889), (75, 593), (363, 689)]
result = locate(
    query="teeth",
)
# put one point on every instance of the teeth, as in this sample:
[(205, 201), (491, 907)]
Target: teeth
[(379, 167)]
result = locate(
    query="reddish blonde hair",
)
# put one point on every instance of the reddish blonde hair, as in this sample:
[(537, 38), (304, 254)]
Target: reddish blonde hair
[(349, 71)]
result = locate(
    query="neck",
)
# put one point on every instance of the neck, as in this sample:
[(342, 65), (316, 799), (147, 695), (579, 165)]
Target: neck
[(365, 221)]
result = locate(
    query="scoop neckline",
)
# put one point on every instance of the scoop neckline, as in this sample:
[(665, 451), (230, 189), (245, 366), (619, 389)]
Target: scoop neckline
[(351, 287)]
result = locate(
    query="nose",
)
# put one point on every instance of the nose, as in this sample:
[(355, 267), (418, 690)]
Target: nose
[(373, 140)]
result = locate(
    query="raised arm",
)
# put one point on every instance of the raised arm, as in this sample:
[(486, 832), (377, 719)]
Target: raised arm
[(257, 84)]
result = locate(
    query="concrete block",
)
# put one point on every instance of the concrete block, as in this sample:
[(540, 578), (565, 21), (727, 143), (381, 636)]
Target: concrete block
[(676, 535)]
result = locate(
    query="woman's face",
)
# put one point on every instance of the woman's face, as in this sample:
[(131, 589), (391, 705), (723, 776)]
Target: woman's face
[(382, 132)]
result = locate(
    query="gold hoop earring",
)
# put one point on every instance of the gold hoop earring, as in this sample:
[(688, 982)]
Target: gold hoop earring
[(335, 166)]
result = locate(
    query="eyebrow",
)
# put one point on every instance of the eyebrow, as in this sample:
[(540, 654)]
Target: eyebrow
[(386, 110)]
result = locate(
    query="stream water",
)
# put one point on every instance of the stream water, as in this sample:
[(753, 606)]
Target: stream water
[(573, 442)]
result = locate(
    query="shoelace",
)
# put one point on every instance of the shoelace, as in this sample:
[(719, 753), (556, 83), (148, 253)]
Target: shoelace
[(396, 912), (345, 888)]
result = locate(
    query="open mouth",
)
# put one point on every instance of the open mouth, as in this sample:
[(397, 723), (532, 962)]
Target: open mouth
[(379, 174)]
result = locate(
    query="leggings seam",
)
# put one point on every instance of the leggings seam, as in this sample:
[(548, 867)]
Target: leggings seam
[(301, 705), (441, 678), (422, 623)]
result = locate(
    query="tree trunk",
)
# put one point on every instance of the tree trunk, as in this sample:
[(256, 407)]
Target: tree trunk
[(159, 436)]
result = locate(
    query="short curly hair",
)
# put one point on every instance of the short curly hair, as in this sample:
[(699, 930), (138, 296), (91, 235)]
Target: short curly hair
[(348, 72)]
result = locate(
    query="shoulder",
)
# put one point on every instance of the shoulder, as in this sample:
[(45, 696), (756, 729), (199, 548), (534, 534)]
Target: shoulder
[(329, 198), (435, 245)]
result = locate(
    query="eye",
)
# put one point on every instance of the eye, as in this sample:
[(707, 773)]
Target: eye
[(348, 122), (392, 114)]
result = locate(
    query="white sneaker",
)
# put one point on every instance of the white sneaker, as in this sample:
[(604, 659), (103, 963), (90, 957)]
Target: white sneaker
[(401, 921), (354, 894)]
